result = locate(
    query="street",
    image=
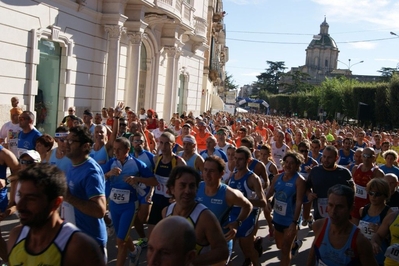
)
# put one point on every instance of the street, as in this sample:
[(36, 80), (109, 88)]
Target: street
[(270, 255)]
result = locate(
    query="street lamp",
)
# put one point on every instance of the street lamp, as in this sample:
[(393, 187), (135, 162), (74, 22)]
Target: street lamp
[(349, 65)]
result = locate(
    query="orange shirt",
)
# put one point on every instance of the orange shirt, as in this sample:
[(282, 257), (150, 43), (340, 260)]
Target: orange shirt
[(201, 141), (263, 133)]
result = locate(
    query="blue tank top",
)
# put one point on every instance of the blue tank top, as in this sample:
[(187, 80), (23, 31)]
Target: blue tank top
[(217, 203), (242, 185), (191, 162), (253, 164), (309, 162), (327, 254), (345, 160), (284, 200), (64, 163), (100, 156), (3, 175)]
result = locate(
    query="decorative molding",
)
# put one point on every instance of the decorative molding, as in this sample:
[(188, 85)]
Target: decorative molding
[(136, 37), (114, 31), (173, 51)]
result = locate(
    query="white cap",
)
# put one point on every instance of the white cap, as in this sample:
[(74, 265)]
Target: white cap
[(33, 154)]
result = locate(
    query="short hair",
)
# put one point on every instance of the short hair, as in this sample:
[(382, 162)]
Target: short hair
[(266, 146), (379, 184), (343, 190), (304, 144), (169, 130), (298, 158), (169, 136), (46, 140), (333, 149), (348, 139), (61, 129), (219, 162), (83, 134), (47, 177), (30, 114), (316, 141), (390, 152), (245, 151), (124, 141), (139, 134), (178, 171), (248, 140)]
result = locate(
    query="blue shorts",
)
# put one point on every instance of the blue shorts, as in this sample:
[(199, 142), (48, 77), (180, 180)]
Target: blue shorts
[(143, 199), (122, 217), (248, 225)]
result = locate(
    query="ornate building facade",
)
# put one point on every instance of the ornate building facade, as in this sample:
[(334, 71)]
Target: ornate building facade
[(158, 54)]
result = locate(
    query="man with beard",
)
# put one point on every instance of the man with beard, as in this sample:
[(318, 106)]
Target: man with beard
[(43, 238), (85, 202), (324, 176)]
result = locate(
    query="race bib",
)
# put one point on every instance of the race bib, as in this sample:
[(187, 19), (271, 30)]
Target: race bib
[(393, 252), (120, 196), (67, 212), (361, 192), (280, 207), (365, 229), (322, 204), (161, 188)]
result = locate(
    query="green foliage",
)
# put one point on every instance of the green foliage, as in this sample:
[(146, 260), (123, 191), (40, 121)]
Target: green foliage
[(387, 73), (269, 79), (394, 100), (229, 83)]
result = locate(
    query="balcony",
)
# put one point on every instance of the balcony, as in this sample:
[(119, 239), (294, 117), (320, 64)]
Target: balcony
[(178, 8), (200, 28)]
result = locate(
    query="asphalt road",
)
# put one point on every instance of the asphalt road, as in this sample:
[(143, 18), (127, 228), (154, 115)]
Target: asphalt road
[(270, 255)]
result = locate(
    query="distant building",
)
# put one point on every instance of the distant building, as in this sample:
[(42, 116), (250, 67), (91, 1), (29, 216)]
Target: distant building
[(321, 61)]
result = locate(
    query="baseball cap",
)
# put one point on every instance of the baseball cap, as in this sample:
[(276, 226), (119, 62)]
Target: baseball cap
[(187, 125), (202, 123), (33, 154)]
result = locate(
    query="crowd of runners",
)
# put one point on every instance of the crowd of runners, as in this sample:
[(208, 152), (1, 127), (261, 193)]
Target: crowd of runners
[(108, 173)]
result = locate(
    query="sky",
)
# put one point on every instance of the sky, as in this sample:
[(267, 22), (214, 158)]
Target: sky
[(280, 30)]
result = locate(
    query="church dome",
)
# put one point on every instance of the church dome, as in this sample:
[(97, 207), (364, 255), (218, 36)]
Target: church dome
[(323, 38)]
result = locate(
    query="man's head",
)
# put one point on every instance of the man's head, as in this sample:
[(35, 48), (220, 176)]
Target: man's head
[(183, 184), (186, 129), (248, 142), (15, 112), (134, 127), (78, 142), (87, 117), (213, 169), (368, 156), (315, 147), (98, 119), (121, 148), (166, 142), (71, 110), (138, 142), (211, 143), (392, 180), (14, 101), (329, 157), (172, 243), (347, 144), (189, 144), (340, 203), (26, 119), (42, 188), (28, 158), (242, 157), (61, 133)]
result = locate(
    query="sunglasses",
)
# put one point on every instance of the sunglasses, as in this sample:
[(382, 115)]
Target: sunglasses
[(27, 162), (376, 194), (367, 155)]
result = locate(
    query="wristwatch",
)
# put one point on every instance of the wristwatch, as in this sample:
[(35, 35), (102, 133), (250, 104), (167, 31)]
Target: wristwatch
[(239, 222)]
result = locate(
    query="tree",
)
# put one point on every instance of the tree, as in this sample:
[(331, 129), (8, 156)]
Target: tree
[(269, 79), (298, 82), (229, 83), (387, 72)]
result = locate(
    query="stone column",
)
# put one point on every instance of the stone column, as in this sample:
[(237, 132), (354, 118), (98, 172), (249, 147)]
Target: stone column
[(112, 78), (132, 92), (173, 54)]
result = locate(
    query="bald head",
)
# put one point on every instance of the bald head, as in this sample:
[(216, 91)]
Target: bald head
[(392, 180), (176, 236)]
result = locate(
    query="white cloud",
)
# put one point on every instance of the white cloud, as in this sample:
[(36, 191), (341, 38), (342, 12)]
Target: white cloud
[(379, 12), (364, 45)]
